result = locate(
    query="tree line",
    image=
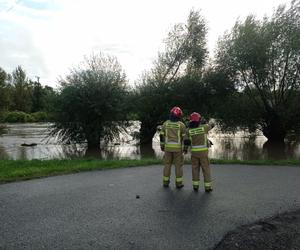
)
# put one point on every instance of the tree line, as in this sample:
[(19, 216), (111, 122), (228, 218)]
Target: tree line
[(253, 82), (23, 95)]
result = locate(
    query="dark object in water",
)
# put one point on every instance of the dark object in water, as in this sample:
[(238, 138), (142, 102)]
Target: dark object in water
[(28, 144)]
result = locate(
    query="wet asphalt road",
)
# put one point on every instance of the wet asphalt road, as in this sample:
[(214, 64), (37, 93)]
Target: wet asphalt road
[(99, 209)]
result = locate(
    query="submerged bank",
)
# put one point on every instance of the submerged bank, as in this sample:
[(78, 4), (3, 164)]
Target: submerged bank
[(11, 170)]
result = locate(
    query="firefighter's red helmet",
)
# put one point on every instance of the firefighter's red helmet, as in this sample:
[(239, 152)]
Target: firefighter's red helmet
[(176, 111), (195, 117)]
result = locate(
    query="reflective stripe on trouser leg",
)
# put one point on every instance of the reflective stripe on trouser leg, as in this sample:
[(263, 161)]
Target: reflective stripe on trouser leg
[(178, 162), (179, 180), (166, 178), (204, 161), (196, 183), (207, 184), (195, 168)]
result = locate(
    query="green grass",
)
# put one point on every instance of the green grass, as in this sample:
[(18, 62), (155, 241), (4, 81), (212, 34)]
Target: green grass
[(11, 170)]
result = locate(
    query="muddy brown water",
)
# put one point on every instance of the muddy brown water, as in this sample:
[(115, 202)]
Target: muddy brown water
[(225, 146)]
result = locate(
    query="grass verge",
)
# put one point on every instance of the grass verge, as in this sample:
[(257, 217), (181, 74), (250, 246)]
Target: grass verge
[(11, 170)]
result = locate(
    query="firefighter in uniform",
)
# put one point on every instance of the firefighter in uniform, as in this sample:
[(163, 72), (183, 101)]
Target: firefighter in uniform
[(196, 139), (171, 142)]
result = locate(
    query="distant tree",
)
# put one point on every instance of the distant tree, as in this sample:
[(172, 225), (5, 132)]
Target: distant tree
[(49, 99), (185, 54), (262, 58), (92, 102), (4, 91), (37, 97), (21, 91)]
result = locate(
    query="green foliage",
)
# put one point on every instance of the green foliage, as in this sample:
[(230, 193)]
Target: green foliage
[(11, 170), (23, 170), (92, 102), (22, 117), (4, 91), (262, 58), (17, 116), (21, 91), (40, 116), (163, 87), (17, 92), (37, 97)]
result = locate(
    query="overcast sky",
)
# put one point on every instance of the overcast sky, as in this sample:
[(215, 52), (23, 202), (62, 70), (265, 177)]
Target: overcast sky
[(47, 38)]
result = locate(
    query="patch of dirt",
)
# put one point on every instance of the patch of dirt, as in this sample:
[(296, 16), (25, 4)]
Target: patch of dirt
[(279, 232)]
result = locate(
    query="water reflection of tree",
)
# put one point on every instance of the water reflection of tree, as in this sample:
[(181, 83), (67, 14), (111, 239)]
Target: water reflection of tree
[(251, 150), (242, 148), (284, 150), (22, 153), (3, 153), (147, 151)]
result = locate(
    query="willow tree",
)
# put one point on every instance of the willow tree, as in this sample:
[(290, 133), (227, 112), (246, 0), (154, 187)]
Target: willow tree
[(91, 104), (185, 53), (262, 57)]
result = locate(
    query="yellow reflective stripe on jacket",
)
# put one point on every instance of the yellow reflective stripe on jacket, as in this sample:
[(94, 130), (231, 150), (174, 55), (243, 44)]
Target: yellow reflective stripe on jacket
[(197, 131), (173, 125), (170, 145), (199, 149)]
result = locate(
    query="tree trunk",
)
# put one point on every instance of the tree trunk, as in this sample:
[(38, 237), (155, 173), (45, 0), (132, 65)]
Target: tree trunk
[(147, 132), (93, 142), (275, 131)]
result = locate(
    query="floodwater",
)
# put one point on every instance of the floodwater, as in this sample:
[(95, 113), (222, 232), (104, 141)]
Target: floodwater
[(225, 146)]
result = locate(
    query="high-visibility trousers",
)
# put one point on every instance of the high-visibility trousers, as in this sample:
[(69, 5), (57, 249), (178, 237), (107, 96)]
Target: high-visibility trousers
[(175, 158), (200, 159)]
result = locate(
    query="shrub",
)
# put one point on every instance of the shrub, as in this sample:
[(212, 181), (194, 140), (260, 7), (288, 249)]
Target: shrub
[(40, 116), (15, 116)]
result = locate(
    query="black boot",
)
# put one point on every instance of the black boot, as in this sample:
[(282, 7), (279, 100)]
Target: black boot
[(166, 184), (208, 190)]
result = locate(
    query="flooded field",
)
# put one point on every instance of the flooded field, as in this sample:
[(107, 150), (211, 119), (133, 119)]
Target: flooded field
[(226, 146)]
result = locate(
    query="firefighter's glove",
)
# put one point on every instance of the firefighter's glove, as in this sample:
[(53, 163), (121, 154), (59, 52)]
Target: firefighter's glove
[(185, 151), (162, 147)]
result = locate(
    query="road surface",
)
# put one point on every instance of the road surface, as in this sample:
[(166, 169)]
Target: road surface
[(100, 209)]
